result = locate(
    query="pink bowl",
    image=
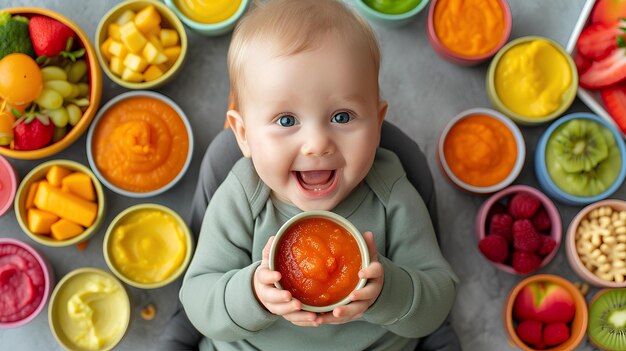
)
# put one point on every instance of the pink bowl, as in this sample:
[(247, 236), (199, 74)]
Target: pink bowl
[(8, 185), (553, 213), (570, 245), (47, 277), (457, 58)]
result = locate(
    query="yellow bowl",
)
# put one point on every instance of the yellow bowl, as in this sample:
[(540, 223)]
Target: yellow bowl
[(168, 20), (39, 173), (95, 91), (143, 246), (112, 307)]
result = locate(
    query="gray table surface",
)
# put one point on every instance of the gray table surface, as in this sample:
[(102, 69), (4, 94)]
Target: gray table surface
[(424, 92)]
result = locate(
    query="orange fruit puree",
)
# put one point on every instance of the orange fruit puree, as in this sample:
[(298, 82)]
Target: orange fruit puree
[(469, 27), (319, 262), (480, 150), (140, 144)]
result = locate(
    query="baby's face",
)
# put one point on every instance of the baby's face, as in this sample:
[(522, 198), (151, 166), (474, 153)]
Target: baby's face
[(311, 122)]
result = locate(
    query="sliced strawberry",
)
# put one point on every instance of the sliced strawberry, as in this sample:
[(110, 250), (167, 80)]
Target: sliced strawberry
[(605, 72), (49, 36), (608, 11), (582, 63), (614, 99), (599, 40)]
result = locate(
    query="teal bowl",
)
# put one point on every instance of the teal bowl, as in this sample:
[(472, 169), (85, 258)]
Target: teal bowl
[(210, 29), (392, 20)]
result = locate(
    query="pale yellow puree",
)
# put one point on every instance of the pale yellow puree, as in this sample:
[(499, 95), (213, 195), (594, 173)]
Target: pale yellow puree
[(148, 246), (532, 78), (208, 11)]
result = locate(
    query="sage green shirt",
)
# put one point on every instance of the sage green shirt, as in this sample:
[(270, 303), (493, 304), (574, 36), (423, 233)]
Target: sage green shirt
[(419, 285)]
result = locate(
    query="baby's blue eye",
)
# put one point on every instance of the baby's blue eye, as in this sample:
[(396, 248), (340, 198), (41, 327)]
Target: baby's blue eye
[(286, 121), (341, 117)]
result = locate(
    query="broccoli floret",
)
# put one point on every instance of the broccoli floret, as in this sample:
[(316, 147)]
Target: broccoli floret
[(14, 36)]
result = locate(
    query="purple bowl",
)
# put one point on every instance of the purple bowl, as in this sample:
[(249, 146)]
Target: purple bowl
[(553, 213)]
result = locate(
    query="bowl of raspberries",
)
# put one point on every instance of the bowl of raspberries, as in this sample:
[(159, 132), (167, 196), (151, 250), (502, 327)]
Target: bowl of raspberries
[(518, 229)]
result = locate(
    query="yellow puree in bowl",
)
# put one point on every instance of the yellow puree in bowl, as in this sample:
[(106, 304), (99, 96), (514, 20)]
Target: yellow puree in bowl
[(95, 313), (531, 78), (148, 246), (208, 11)]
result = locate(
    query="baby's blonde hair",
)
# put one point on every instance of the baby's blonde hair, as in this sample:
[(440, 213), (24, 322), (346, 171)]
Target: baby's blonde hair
[(295, 26)]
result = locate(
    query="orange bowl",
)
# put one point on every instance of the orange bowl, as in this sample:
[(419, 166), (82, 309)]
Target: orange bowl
[(578, 326), (95, 89)]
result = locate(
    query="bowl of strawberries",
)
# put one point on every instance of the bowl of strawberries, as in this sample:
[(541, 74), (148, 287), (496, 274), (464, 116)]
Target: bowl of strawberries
[(518, 229), (50, 82)]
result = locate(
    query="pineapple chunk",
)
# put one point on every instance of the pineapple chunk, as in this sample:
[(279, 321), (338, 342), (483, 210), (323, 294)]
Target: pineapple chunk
[(153, 72), (104, 49), (118, 49), (116, 65), (135, 62), (150, 52), (169, 37), (132, 38), (125, 17), (131, 76), (147, 19), (172, 53), (114, 31)]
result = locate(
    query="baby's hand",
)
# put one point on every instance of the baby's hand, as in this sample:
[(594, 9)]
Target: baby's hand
[(275, 300), (363, 298)]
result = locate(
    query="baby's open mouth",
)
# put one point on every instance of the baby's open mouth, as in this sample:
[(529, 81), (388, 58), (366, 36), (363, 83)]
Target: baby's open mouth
[(316, 181)]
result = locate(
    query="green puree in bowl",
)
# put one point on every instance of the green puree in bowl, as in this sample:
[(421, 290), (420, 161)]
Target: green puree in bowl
[(392, 7)]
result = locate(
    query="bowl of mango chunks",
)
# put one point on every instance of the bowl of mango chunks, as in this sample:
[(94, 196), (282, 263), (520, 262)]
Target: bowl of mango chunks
[(140, 44)]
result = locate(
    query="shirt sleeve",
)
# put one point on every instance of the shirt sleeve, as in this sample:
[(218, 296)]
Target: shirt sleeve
[(217, 291), (419, 285)]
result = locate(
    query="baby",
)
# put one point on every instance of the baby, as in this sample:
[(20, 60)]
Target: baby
[(307, 117)]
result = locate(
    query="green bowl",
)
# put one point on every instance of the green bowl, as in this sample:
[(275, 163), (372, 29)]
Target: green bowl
[(389, 19), (566, 101), (211, 29)]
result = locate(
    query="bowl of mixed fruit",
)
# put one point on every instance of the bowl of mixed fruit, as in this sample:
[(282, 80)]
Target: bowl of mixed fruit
[(580, 159), (50, 82)]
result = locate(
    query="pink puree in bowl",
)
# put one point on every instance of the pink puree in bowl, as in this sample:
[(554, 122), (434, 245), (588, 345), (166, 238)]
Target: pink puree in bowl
[(23, 283)]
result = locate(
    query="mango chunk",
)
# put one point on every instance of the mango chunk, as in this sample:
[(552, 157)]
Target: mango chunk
[(125, 17), (135, 62), (64, 229), (147, 19), (154, 40), (80, 184), (113, 31), (30, 197), (150, 52), (168, 37), (116, 65), (132, 38), (104, 49), (172, 53), (39, 222), (118, 49), (153, 72), (131, 76), (56, 174), (65, 205)]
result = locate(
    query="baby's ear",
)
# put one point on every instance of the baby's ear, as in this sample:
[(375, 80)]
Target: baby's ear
[(235, 121), (382, 111)]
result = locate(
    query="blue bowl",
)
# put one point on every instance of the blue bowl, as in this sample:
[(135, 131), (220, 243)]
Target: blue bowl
[(541, 171), (392, 20)]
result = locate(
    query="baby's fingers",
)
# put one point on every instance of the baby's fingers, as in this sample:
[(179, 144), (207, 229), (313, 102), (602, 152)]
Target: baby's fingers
[(267, 277), (368, 292), (284, 308), (272, 295), (265, 255), (373, 271), (302, 318)]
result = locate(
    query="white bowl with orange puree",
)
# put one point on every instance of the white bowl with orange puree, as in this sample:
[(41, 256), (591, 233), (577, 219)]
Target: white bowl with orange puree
[(532, 80), (140, 144), (481, 151), (147, 246)]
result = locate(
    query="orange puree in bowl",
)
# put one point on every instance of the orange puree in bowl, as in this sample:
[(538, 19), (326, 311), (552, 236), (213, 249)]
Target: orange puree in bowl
[(140, 144), (469, 27), (319, 261), (480, 150)]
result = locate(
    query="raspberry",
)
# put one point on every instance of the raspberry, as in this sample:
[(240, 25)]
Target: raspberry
[(525, 237), (525, 262), (494, 247), (547, 246), (523, 205), (530, 331), (555, 333), (501, 225), (541, 220)]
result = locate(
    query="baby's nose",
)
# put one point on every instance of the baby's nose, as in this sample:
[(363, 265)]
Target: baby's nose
[(318, 143)]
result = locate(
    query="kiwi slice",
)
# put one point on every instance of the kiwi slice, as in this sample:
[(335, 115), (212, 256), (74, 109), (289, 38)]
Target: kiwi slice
[(607, 320), (593, 163)]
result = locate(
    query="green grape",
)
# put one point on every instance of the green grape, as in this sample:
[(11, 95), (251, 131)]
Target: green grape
[(59, 116), (74, 113), (75, 92), (49, 99), (77, 71), (53, 73), (60, 86), (83, 89)]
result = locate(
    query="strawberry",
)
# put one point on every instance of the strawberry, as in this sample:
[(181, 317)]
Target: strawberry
[(32, 131), (582, 63), (608, 11), (606, 71), (598, 40), (49, 36), (530, 331), (615, 101)]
